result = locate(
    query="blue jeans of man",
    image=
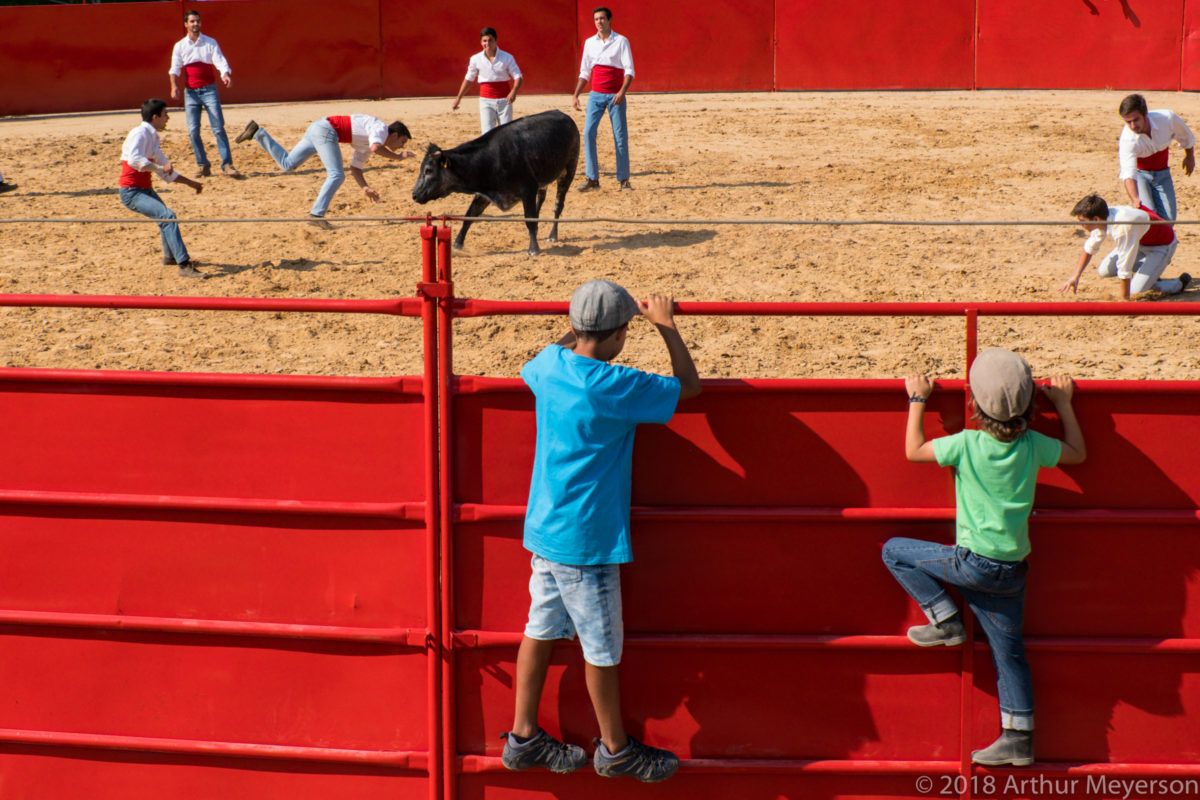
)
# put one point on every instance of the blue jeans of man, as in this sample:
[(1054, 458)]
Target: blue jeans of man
[(320, 140), (596, 106), (147, 203), (995, 591), (206, 98), (1156, 189)]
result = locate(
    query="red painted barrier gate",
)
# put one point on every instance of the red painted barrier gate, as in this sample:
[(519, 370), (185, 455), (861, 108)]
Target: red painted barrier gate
[(260, 586)]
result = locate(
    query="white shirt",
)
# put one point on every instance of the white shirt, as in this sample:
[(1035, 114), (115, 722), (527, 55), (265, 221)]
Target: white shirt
[(502, 68), (1126, 225), (365, 131), (613, 53), (143, 152), (1164, 126), (204, 50)]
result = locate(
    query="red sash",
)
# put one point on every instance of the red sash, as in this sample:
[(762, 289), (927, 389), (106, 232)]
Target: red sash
[(607, 80), (1158, 235), (1160, 160), (132, 178), (198, 74), (343, 128), (493, 90)]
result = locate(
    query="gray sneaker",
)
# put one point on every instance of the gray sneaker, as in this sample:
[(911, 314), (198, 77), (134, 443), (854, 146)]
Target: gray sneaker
[(949, 632), (542, 750), (1013, 747), (647, 764)]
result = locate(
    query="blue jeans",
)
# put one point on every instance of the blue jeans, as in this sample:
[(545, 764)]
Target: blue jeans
[(147, 203), (597, 104), (321, 140), (1157, 191), (206, 97), (565, 599), (995, 591)]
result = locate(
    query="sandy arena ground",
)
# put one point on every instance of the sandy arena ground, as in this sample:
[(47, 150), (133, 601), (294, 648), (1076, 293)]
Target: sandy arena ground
[(893, 155)]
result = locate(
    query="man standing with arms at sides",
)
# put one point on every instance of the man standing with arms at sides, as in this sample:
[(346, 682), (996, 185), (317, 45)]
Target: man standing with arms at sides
[(198, 59), (499, 80), (608, 63), (1144, 152)]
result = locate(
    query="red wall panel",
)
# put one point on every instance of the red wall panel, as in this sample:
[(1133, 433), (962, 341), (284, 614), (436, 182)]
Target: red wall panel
[(1190, 74), (426, 47), (283, 50), (907, 44), (709, 46), (83, 58), (1086, 44), (115, 56), (241, 443)]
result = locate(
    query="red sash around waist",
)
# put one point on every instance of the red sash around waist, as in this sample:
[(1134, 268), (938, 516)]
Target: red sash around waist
[(343, 128), (1158, 235), (1160, 160), (493, 90), (198, 74), (607, 80), (132, 178)]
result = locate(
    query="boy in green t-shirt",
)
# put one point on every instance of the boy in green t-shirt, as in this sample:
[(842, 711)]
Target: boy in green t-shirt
[(995, 472)]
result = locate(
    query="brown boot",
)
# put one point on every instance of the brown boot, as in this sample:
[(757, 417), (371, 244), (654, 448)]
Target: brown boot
[(205, 172)]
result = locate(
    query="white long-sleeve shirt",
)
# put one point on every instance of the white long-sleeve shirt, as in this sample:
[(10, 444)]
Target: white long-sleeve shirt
[(1126, 227), (614, 55), (204, 50), (142, 152), (1165, 126)]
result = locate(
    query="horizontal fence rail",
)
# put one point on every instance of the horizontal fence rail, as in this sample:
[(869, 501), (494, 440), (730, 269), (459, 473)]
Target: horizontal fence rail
[(469, 546)]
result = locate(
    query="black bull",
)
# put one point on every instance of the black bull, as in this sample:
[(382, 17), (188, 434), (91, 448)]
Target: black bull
[(509, 163)]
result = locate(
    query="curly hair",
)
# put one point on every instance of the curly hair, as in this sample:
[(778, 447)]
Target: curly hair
[(1007, 431)]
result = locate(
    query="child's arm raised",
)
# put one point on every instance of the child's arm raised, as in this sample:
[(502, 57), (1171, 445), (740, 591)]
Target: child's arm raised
[(1060, 390), (916, 447), (660, 310)]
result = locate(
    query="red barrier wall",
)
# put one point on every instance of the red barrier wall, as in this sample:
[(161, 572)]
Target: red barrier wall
[(229, 586), (425, 49), (113, 56), (715, 45), (79, 57), (775, 571), (1087, 44), (216, 590), (908, 44)]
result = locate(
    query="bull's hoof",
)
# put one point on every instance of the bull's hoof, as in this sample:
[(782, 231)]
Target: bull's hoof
[(457, 245), (534, 252), (552, 238)]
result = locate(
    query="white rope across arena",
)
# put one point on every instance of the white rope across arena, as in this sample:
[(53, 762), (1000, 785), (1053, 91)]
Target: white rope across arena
[(585, 220)]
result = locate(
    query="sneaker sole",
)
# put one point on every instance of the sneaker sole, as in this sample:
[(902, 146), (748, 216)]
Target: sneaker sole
[(957, 640), (1016, 762)]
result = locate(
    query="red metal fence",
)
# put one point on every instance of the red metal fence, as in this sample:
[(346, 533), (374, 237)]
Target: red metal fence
[(246, 586)]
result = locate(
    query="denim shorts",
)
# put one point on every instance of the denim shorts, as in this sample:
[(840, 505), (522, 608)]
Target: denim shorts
[(566, 599)]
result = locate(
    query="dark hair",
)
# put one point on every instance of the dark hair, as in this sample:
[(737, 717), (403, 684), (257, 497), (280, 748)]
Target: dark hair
[(192, 13), (1007, 431), (607, 12), (597, 336), (1091, 207), (400, 128), (1132, 103), (488, 32), (152, 108)]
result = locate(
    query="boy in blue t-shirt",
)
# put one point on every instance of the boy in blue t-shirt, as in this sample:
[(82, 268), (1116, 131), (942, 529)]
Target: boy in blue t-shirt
[(577, 519), (995, 473)]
